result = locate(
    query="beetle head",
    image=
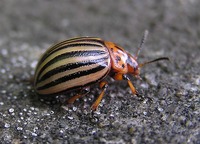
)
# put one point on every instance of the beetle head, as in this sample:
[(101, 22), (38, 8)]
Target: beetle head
[(133, 66)]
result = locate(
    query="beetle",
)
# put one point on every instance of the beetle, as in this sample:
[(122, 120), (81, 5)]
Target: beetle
[(77, 63)]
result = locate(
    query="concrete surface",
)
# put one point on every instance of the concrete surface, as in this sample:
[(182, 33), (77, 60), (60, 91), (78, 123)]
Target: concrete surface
[(28, 28)]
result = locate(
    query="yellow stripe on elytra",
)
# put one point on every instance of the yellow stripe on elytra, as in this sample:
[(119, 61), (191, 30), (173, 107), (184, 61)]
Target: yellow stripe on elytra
[(78, 40), (89, 40), (74, 82), (68, 50), (70, 60), (68, 72)]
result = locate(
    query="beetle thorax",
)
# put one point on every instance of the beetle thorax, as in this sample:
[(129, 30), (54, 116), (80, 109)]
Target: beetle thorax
[(121, 61)]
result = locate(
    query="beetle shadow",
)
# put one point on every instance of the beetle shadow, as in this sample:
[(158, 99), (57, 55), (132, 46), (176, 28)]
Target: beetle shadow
[(56, 103), (40, 101)]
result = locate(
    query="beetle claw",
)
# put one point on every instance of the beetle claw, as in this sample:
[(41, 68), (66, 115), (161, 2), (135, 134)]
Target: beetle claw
[(93, 117), (141, 97)]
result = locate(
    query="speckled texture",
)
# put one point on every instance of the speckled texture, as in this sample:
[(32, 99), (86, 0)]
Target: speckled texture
[(170, 111)]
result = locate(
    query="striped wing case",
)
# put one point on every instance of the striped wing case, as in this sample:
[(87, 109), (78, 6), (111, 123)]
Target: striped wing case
[(72, 64)]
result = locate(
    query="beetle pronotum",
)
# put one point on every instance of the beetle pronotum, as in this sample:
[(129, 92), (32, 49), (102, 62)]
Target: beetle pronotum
[(77, 63)]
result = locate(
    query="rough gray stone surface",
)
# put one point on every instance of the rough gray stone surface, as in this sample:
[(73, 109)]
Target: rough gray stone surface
[(170, 111)]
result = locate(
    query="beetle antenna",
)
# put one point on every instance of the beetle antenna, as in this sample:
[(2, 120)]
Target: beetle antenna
[(158, 59), (144, 37)]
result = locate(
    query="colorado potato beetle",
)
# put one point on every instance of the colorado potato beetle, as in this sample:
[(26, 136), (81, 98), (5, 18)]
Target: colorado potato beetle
[(77, 63)]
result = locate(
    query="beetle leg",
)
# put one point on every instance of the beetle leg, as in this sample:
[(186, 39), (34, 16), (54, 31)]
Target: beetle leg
[(83, 92), (133, 89), (119, 76), (103, 85)]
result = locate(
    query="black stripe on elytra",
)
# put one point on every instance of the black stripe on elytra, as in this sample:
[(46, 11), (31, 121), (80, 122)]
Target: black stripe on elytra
[(71, 77), (76, 87), (59, 46), (69, 55), (70, 66), (87, 40)]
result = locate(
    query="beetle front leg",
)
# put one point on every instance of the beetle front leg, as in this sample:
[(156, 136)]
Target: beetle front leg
[(119, 76), (103, 85), (83, 92), (133, 89)]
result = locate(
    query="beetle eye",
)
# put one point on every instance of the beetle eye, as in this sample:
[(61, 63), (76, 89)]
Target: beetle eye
[(136, 71)]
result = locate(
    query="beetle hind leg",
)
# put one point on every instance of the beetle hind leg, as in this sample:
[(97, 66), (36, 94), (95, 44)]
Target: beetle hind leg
[(82, 93), (103, 85)]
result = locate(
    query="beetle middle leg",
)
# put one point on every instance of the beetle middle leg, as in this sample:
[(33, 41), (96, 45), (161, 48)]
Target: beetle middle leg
[(82, 93), (103, 85)]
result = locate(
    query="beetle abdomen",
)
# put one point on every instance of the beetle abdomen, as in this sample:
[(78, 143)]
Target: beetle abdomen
[(72, 64)]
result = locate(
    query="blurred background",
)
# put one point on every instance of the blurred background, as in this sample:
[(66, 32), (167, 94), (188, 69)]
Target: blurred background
[(28, 28)]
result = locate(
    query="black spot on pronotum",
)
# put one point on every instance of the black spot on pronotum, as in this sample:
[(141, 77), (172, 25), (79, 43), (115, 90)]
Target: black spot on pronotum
[(118, 58), (119, 48), (123, 66), (112, 50)]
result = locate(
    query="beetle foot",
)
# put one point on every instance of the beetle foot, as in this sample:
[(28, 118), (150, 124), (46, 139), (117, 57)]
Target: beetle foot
[(142, 97), (94, 117)]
